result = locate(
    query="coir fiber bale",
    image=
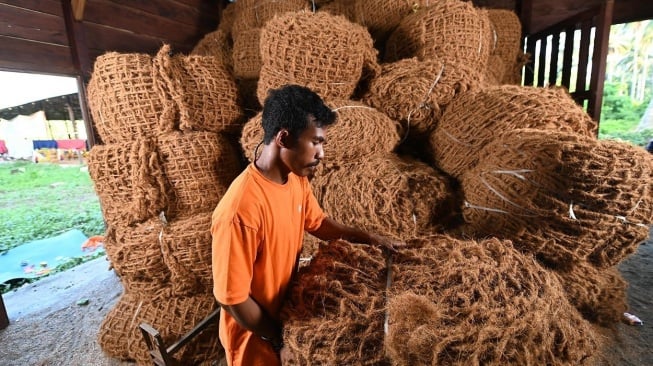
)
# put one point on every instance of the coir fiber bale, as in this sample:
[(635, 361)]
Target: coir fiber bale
[(325, 53), (122, 98), (246, 54), (344, 8), (593, 197), (598, 294), (203, 90), (456, 302), (227, 18), (495, 71), (396, 197), (128, 180), (186, 247), (359, 132), (199, 167), (335, 311), (382, 16), (249, 14), (475, 118), (216, 44), (135, 255), (415, 92), (446, 30), (120, 336), (507, 34)]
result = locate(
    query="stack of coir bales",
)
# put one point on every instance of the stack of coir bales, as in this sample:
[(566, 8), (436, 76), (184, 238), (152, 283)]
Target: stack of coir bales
[(361, 174), (165, 160)]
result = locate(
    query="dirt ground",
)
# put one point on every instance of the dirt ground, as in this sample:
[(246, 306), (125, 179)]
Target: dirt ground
[(47, 327)]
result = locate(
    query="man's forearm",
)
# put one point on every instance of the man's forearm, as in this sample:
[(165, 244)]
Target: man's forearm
[(251, 316), (332, 230)]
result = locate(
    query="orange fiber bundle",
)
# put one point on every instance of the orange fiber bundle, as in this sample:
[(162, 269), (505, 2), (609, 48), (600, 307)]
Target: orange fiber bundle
[(446, 30), (200, 89), (382, 16), (249, 14), (593, 197), (325, 53), (123, 100), (415, 92), (128, 180), (456, 302), (598, 294), (335, 310), (120, 336), (186, 248), (495, 71), (135, 255), (360, 131), (385, 194), (199, 167), (246, 54), (340, 7), (216, 44), (507, 46), (477, 117)]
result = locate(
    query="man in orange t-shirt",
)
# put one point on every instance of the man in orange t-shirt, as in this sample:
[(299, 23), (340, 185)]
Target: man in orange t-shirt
[(258, 227)]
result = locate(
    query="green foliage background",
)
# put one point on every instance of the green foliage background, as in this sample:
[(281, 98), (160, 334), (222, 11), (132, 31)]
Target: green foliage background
[(42, 200), (620, 115)]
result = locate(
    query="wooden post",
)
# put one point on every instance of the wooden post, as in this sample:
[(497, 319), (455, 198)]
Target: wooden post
[(599, 59), (4, 319)]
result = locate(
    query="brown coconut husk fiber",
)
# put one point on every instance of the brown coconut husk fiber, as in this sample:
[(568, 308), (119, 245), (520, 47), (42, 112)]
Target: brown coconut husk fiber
[(448, 29), (135, 255), (598, 294), (593, 197), (335, 311), (344, 8), (475, 118), (199, 167), (122, 98), (250, 14), (173, 316), (325, 53), (227, 18), (186, 247), (360, 131), (203, 90), (507, 31), (382, 16), (246, 54), (495, 70), (128, 180), (457, 302), (415, 92), (396, 197), (217, 44)]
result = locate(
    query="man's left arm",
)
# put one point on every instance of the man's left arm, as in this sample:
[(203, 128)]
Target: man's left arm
[(330, 229)]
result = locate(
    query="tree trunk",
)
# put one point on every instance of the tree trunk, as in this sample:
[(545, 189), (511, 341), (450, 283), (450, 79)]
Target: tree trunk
[(646, 123)]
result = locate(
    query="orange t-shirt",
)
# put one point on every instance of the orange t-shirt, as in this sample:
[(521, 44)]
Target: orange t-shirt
[(258, 228)]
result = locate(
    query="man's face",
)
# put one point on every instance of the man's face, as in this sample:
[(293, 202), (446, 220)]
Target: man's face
[(303, 155)]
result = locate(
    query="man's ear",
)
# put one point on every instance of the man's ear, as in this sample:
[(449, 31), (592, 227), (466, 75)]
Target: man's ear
[(283, 138)]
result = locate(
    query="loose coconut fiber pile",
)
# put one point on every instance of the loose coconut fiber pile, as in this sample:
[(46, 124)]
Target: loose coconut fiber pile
[(475, 118), (594, 197), (457, 302), (335, 311)]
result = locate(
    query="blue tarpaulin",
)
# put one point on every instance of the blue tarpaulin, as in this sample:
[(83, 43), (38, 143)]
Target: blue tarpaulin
[(37, 258)]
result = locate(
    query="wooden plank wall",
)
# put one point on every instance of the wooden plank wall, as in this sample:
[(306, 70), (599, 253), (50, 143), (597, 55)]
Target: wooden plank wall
[(35, 35)]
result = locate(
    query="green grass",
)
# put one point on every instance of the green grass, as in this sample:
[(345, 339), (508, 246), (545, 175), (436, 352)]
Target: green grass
[(42, 200)]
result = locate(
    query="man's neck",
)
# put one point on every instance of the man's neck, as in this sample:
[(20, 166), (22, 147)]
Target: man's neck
[(270, 165)]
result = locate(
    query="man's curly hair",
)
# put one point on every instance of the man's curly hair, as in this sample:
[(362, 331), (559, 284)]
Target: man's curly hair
[(293, 107)]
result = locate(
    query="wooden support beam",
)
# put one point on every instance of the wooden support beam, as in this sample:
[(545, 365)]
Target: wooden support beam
[(555, 51), (78, 9), (4, 319), (76, 40), (599, 59)]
